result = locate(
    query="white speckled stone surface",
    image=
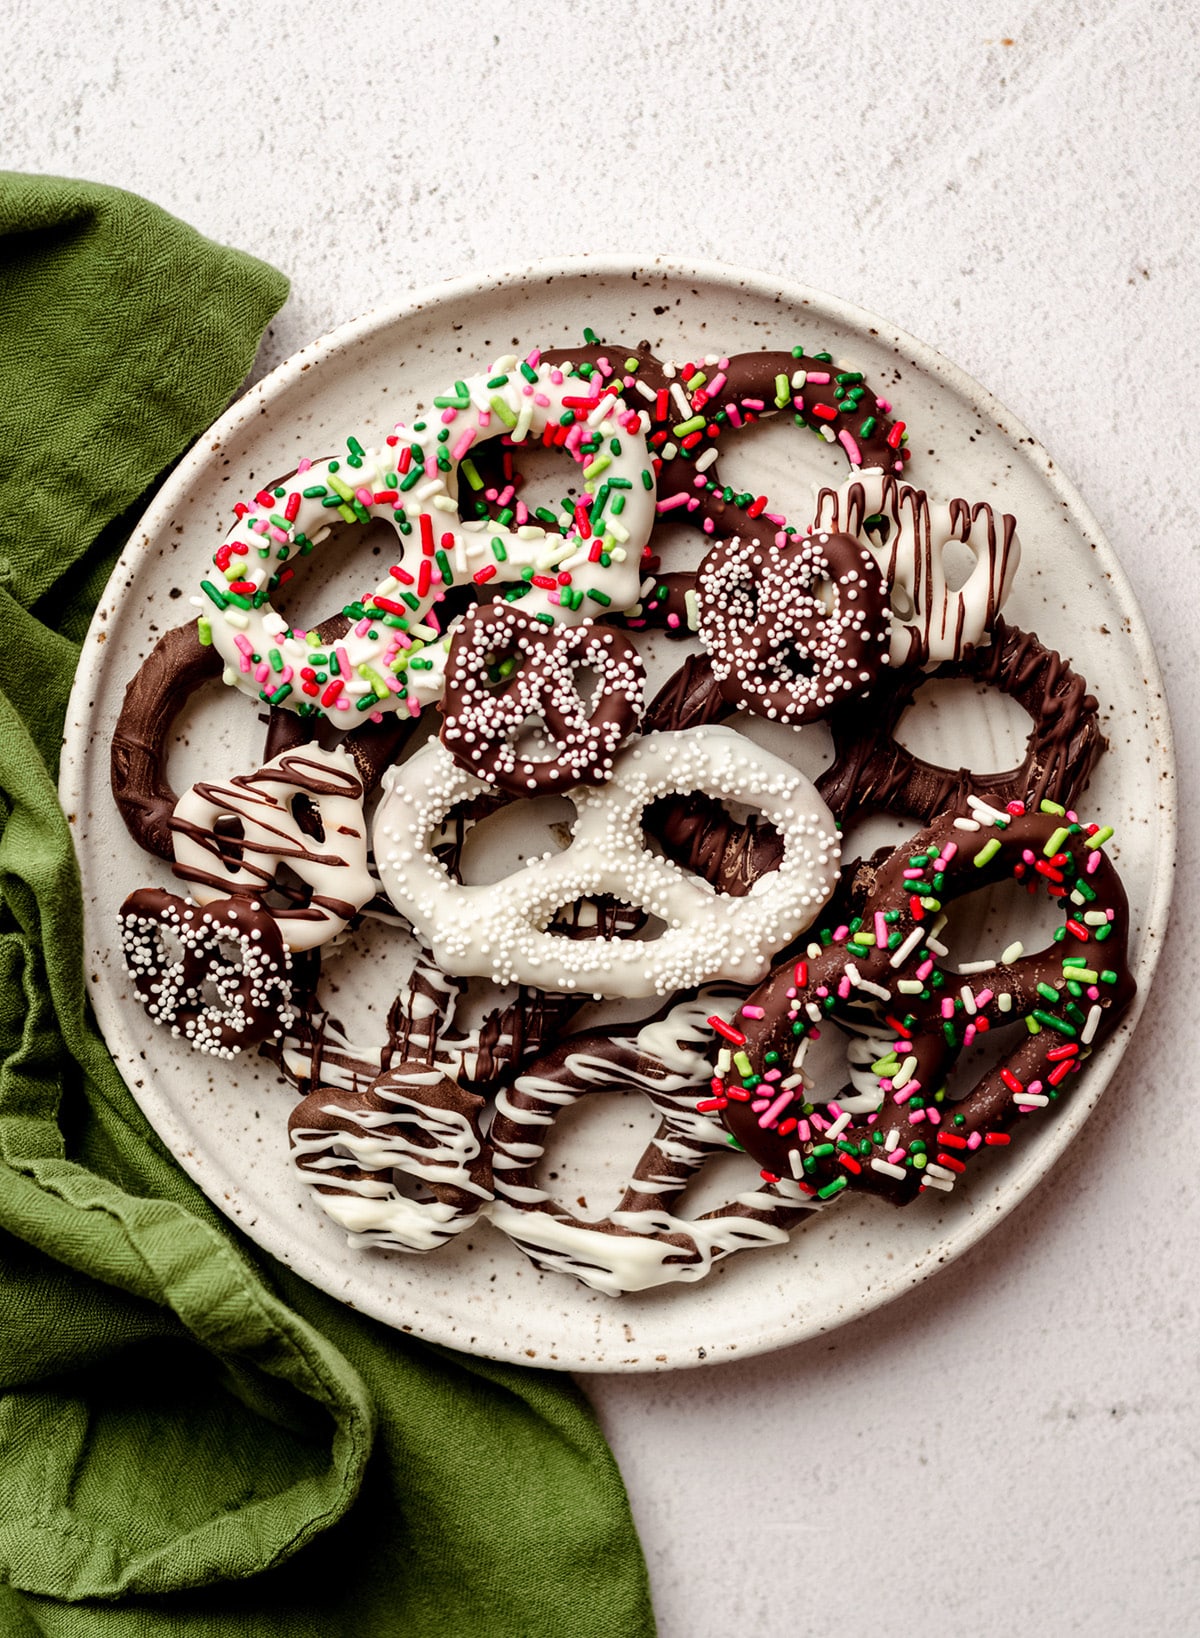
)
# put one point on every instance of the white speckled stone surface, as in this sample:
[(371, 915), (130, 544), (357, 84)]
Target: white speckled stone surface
[(1014, 1446)]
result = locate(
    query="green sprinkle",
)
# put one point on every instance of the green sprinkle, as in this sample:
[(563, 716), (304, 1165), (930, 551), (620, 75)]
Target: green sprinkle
[(647, 479), (1051, 1022), (498, 551), (443, 563), (470, 472), (830, 1189), (500, 405), (204, 632), (1055, 841), (1048, 993), (1101, 836), (988, 851), (220, 598), (694, 424), (600, 597), (280, 694), (275, 658), (1052, 807), (597, 467)]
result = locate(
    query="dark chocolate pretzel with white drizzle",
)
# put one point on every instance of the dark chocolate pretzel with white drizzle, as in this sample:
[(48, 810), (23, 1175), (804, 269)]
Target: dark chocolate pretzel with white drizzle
[(641, 1243)]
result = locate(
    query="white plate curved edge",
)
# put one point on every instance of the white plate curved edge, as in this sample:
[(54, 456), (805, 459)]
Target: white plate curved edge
[(225, 1123)]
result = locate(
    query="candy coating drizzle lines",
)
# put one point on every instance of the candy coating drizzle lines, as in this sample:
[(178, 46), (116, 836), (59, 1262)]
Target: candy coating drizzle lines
[(641, 1243), (413, 1120), (501, 930), (888, 963), (330, 855), (392, 657), (909, 534)]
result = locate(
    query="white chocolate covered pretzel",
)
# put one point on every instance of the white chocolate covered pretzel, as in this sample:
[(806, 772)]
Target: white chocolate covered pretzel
[(232, 839), (393, 656), (930, 623), (500, 930)]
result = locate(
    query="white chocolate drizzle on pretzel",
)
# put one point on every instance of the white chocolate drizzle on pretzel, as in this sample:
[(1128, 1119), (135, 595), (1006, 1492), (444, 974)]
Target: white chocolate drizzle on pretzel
[(930, 623), (500, 930), (641, 1243), (393, 656), (232, 839), (413, 1122)]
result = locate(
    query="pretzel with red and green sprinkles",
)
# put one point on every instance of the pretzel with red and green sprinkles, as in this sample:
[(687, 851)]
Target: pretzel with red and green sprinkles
[(392, 657), (884, 974), (689, 408)]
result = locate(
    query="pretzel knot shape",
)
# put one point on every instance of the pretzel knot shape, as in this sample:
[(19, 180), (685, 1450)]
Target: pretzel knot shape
[(793, 627), (505, 667), (641, 1243), (501, 930), (412, 1122), (929, 621), (232, 839), (392, 657), (887, 965), (251, 995)]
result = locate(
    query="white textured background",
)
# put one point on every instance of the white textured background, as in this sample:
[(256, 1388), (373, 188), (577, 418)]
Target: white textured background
[(1015, 1445)]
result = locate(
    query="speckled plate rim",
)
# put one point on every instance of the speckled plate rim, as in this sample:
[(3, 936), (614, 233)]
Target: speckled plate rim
[(1040, 1159)]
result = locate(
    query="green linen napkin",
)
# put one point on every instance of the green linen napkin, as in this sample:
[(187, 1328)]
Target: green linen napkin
[(191, 1439)]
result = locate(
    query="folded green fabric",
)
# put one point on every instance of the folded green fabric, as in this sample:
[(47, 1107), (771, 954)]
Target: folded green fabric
[(191, 1439)]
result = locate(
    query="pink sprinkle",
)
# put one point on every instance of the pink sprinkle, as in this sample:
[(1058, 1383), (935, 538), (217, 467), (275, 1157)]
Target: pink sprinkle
[(968, 1035), (431, 466), (715, 385), (851, 448), (671, 502), (776, 1109), (896, 1156), (261, 672), (773, 1075), (362, 628), (974, 1141), (286, 675), (817, 1122), (934, 1118), (243, 642), (749, 1011), (673, 621), (948, 852), (924, 970), (278, 534), (1093, 863), (881, 933), (843, 987), (735, 419), (303, 464), (817, 378), (414, 710), (982, 999), (521, 517), (913, 875), (885, 407), (915, 1117), (485, 420), (541, 400), (462, 445), (840, 933), (906, 1092), (448, 415), (759, 1105), (344, 667), (365, 496), (803, 1131), (756, 404), (557, 377), (534, 358), (947, 1007)]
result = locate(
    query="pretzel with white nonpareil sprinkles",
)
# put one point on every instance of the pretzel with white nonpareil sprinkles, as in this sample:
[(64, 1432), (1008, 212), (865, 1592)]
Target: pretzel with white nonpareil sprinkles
[(641, 1243), (794, 625), (888, 964), (506, 668), (251, 994), (411, 1123), (393, 655), (502, 930), (304, 809)]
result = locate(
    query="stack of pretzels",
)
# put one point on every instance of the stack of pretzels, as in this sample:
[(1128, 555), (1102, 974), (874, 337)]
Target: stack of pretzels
[(702, 875)]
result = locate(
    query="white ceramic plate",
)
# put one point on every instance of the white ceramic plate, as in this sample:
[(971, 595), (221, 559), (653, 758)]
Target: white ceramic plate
[(226, 1123)]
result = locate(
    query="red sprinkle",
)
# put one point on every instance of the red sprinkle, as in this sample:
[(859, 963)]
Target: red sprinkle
[(949, 1160), (293, 505), (996, 1138), (1078, 929), (895, 435), (386, 603), (426, 523), (424, 576), (1011, 1081), (488, 572), (727, 1031), (332, 692)]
